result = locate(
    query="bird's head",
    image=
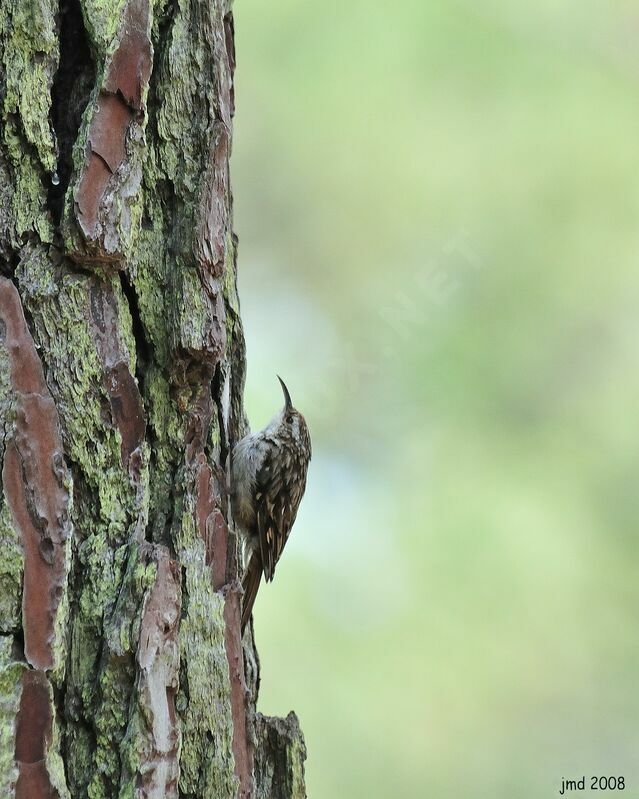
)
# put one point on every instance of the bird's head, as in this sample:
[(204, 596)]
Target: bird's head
[(290, 423)]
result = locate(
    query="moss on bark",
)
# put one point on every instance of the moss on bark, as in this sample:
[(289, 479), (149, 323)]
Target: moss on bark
[(10, 691), (29, 56), (12, 561)]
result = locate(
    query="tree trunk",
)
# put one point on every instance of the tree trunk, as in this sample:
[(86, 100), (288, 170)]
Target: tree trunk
[(122, 672)]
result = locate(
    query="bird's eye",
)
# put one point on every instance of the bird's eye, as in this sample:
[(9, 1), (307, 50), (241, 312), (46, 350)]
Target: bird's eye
[(289, 419)]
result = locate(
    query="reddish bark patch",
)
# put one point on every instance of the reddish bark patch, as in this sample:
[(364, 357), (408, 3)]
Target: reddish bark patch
[(33, 735), (217, 541), (106, 142), (211, 524), (35, 479), (107, 131), (131, 63), (33, 783), (158, 668), (27, 376), (242, 748), (34, 718), (119, 103), (38, 612), (209, 518)]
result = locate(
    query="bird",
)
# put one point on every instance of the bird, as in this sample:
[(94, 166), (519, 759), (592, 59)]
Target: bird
[(268, 480)]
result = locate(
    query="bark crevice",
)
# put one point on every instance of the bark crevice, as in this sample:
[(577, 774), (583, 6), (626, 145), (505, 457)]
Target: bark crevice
[(72, 86), (142, 345)]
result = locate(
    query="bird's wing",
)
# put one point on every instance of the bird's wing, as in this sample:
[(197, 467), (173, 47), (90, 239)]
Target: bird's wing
[(276, 505)]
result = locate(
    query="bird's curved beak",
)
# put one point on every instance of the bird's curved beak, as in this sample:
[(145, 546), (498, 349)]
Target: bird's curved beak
[(287, 397)]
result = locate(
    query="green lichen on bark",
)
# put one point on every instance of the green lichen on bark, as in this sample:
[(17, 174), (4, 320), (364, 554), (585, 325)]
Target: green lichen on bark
[(116, 679), (61, 621), (102, 673), (190, 314), (206, 759), (184, 89), (148, 271), (11, 568), (10, 691), (101, 19), (29, 29), (12, 561), (28, 61), (55, 762), (281, 752), (101, 569), (295, 762), (167, 426)]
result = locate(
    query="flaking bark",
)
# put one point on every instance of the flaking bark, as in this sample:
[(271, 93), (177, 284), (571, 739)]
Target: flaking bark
[(122, 361)]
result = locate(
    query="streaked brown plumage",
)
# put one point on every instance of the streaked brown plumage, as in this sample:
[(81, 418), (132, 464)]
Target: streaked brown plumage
[(268, 481)]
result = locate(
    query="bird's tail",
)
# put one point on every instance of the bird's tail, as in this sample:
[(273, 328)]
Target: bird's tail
[(250, 584)]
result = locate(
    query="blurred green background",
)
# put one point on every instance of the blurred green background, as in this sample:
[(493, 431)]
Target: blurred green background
[(438, 211)]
